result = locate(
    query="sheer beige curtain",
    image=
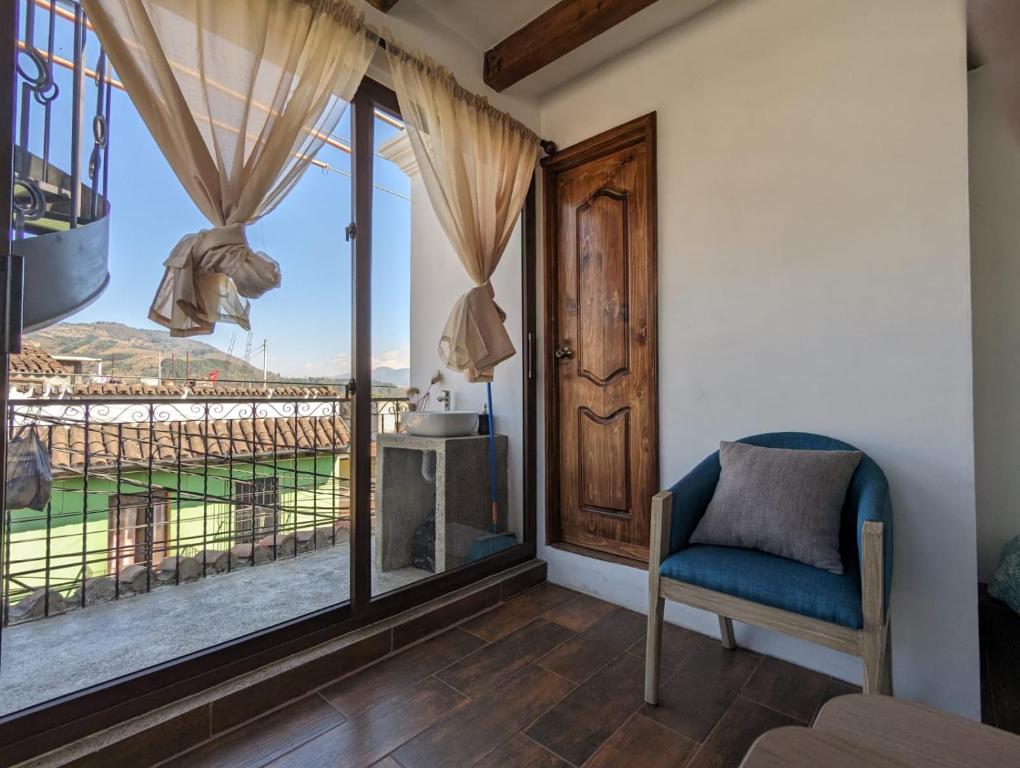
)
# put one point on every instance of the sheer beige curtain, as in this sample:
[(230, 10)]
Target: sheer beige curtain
[(995, 25), (476, 164), (239, 95)]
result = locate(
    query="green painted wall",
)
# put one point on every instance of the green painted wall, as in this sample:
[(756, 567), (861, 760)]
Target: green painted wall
[(311, 491)]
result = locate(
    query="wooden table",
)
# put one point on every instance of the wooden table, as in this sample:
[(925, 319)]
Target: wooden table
[(882, 732)]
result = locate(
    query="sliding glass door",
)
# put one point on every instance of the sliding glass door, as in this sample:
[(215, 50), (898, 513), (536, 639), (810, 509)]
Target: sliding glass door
[(176, 507), (446, 494), (168, 495)]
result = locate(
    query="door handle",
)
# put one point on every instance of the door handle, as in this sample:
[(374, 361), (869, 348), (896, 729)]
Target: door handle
[(563, 353)]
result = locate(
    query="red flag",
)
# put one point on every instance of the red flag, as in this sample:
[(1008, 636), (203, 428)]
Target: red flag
[(213, 376)]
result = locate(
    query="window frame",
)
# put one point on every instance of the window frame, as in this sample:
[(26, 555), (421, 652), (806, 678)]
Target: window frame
[(69, 717), (254, 496), (153, 505)]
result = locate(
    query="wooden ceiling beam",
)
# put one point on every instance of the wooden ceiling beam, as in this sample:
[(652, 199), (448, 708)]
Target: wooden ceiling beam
[(564, 27), (382, 5)]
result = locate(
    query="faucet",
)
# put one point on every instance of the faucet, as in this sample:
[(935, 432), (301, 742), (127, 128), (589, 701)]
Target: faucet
[(444, 399)]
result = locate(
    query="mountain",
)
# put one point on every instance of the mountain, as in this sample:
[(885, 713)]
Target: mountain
[(134, 352), (397, 377), (129, 352)]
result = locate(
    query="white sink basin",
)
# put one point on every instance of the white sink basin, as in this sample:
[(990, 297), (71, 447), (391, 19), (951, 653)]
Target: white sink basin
[(440, 423)]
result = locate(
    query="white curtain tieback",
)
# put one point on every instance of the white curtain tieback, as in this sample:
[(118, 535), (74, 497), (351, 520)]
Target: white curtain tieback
[(475, 340), (225, 250), (207, 274)]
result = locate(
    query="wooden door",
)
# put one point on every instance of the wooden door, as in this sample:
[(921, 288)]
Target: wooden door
[(602, 465), (137, 529)]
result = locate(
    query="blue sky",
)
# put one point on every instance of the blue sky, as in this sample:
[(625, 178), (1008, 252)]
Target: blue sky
[(307, 321)]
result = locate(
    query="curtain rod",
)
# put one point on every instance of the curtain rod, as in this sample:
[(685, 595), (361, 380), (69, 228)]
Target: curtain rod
[(549, 147)]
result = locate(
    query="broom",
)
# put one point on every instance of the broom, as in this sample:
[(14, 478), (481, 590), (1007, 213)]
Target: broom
[(494, 541)]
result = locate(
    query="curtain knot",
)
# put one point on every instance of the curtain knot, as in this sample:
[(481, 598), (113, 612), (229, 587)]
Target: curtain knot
[(492, 295), (475, 340), (207, 274)]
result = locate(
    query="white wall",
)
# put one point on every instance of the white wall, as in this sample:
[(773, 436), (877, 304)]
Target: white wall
[(814, 275), (438, 280), (995, 271)]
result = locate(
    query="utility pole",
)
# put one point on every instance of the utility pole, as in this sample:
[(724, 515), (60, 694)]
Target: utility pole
[(187, 365), (159, 369), (265, 360)]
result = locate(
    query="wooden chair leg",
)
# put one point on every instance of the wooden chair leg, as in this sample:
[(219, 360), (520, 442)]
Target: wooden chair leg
[(726, 633), (871, 656), (873, 639), (661, 518), (887, 687), (653, 648)]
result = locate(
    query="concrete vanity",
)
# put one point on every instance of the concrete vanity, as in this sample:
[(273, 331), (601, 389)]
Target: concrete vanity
[(460, 495)]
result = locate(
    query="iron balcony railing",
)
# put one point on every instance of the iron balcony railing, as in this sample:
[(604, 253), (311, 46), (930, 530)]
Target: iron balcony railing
[(152, 492)]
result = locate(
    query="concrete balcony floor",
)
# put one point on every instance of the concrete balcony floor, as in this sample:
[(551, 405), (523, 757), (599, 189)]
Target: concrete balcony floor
[(51, 657)]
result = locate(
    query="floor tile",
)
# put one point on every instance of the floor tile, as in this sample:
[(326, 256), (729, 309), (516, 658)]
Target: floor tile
[(499, 660), (578, 612), (370, 736), (833, 689), (520, 752), (537, 601), (643, 742), (693, 699), (482, 725), (742, 723), (678, 644), (360, 691), (792, 690), (258, 742), (576, 727), (497, 623), (583, 655)]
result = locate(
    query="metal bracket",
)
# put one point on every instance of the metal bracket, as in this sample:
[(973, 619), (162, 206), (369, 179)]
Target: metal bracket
[(350, 231), (350, 388)]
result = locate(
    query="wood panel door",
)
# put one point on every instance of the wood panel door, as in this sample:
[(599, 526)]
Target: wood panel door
[(138, 528), (602, 466)]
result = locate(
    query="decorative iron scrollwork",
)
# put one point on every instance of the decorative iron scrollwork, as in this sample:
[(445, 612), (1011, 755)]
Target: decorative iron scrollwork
[(29, 200), (44, 88)]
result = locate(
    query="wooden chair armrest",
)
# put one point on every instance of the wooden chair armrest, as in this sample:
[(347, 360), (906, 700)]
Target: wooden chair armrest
[(872, 574), (662, 520)]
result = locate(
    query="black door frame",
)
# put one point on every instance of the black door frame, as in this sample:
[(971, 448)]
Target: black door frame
[(66, 718)]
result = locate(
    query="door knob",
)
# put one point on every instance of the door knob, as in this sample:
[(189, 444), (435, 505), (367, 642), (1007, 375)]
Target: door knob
[(563, 353)]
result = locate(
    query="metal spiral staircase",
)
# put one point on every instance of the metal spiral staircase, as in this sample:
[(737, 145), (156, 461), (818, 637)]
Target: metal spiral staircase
[(60, 205)]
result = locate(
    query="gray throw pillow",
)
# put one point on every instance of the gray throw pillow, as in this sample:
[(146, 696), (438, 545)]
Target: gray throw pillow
[(784, 502)]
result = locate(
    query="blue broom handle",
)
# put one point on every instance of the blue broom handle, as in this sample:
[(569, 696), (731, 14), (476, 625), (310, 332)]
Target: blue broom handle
[(492, 458)]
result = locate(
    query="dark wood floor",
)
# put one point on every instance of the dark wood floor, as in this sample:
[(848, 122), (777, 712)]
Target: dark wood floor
[(1000, 663), (549, 680)]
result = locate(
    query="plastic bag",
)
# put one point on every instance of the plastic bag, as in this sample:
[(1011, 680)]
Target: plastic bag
[(29, 476), (1005, 585)]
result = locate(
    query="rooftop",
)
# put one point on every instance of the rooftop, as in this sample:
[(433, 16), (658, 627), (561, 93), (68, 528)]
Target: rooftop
[(123, 444), (33, 360)]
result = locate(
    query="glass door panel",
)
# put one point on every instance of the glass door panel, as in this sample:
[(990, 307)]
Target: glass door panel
[(200, 487), (444, 495)]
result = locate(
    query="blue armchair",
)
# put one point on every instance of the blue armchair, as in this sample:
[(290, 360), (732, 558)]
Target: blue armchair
[(848, 612)]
